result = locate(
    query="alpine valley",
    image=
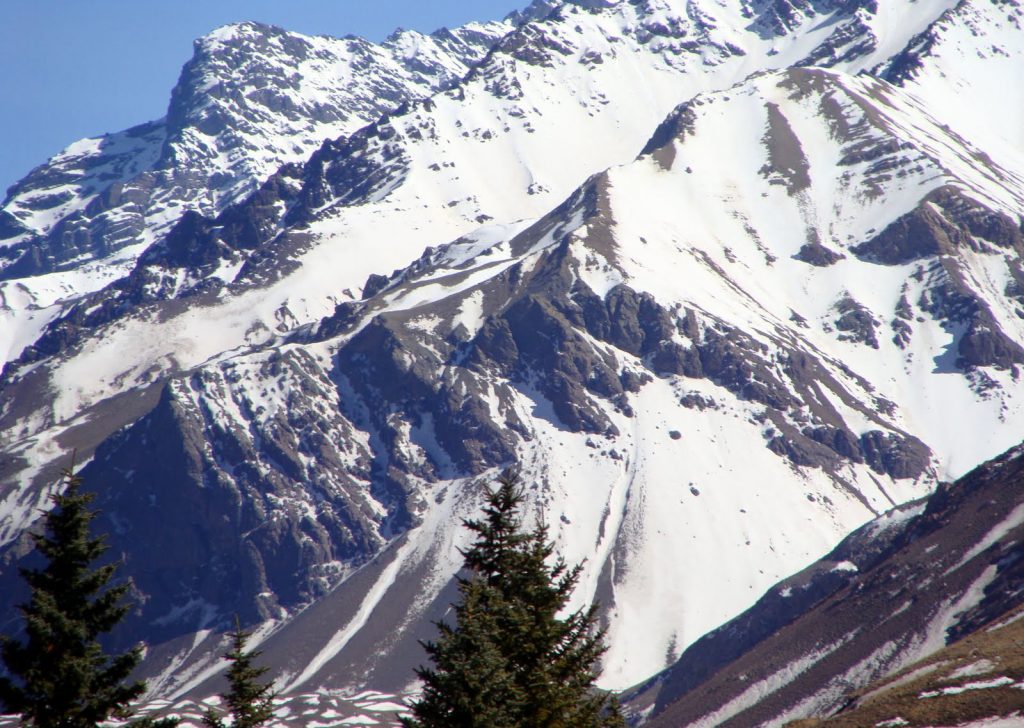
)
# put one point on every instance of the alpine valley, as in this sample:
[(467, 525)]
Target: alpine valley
[(727, 279)]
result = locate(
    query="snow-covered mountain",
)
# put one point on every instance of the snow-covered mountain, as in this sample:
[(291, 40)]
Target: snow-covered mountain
[(252, 98), (727, 279)]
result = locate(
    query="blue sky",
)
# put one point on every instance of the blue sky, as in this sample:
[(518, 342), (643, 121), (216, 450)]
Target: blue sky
[(76, 68)]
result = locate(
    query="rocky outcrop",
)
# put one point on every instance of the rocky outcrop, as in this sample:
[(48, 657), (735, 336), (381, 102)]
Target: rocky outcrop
[(942, 223), (817, 254), (855, 322), (248, 514), (900, 456)]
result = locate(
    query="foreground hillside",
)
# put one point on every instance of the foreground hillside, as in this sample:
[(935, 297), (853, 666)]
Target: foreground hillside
[(863, 632), (727, 279), (915, 619), (974, 683)]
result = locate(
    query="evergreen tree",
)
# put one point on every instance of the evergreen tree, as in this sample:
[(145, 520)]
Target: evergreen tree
[(250, 702), (510, 661), (61, 677)]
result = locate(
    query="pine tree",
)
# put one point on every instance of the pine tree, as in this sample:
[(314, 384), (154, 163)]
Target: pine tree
[(250, 702), (510, 661), (61, 677)]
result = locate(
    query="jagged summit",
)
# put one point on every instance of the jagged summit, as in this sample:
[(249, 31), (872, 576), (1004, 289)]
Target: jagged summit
[(253, 97)]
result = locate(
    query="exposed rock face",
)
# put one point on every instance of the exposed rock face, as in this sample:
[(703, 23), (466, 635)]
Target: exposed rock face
[(900, 457), (210, 506), (985, 344), (856, 322), (944, 222)]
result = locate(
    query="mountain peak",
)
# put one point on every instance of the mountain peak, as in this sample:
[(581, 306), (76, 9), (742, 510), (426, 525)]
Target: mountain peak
[(238, 30), (252, 97)]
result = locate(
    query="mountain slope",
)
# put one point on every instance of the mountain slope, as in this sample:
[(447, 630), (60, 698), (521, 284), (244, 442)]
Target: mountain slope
[(605, 360), (894, 592), (973, 683), (708, 50), (652, 46), (958, 64)]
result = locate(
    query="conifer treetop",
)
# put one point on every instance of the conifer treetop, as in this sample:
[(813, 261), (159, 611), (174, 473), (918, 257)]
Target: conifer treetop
[(250, 702), (510, 661), (60, 676)]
